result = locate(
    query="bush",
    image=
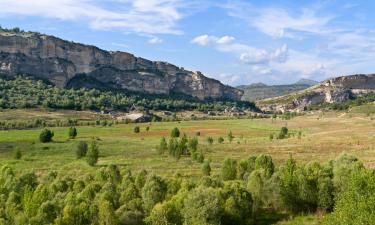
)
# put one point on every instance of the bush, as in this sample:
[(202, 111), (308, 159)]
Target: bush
[(283, 133), (220, 140), (200, 158), (93, 154), (230, 137), (81, 150), (206, 168), (163, 146), (175, 133), (46, 136), (17, 154), (229, 169), (193, 143), (72, 132), (210, 140), (136, 129)]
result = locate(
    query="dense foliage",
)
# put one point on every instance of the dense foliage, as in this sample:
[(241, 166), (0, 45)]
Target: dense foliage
[(40, 94), (116, 195)]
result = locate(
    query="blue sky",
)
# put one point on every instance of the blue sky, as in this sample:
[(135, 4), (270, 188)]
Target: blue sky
[(235, 41)]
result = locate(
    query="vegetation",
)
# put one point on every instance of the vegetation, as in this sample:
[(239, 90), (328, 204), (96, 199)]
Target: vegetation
[(72, 132), (137, 129), (46, 136), (92, 154), (41, 94)]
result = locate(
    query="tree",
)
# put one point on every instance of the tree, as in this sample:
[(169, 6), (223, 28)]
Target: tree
[(46, 136), (153, 192), (229, 169), (203, 206), (163, 146), (93, 154), (175, 133), (206, 168), (283, 133), (136, 129), (220, 140), (193, 144), (17, 154), (81, 150), (210, 140), (72, 132), (265, 162), (230, 137)]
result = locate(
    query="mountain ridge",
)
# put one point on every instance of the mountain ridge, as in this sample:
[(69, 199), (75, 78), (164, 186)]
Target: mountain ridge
[(64, 63)]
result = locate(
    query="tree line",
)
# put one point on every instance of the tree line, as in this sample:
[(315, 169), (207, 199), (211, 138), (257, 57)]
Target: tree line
[(41, 94), (342, 188)]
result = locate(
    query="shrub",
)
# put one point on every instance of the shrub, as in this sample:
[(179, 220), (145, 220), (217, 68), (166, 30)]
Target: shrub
[(230, 137), (193, 143), (147, 128), (17, 154), (81, 149), (46, 136), (203, 206), (200, 158), (72, 132), (163, 146), (93, 154), (229, 169), (210, 140), (175, 133), (220, 140), (136, 129), (283, 133), (265, 162), (206, 168)]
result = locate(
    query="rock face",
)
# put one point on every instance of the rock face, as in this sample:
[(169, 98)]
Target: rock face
[(335, 90), (68, 64)]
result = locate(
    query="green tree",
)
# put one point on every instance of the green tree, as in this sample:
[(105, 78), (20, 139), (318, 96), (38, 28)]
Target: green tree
[(137, 129), (163, 146), (265, 162), (81, 150), (193, 144), (203, 206), (206, 168), (17, 153), (92, 155), (230, 137), (220, 140), (175, 133), (46, 136), (210, 140), (72, 132), (283, 133), (229, 169), (154, 191)]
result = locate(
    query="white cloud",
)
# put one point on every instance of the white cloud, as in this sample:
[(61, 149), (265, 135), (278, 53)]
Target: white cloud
[(143, 16), (247, 54), (155, 41), (261, 56), (205, 39)]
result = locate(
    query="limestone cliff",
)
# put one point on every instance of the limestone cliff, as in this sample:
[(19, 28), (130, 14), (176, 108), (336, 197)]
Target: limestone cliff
[(68, 64), (335, 90)]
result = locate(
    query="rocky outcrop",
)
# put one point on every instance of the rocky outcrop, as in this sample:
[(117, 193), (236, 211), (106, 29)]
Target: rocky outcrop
[(335, 90), (68, 64)]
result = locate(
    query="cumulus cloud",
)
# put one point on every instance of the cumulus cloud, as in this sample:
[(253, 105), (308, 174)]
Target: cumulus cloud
[(155, 41), (205, 39), (141, 16), (261, 56)]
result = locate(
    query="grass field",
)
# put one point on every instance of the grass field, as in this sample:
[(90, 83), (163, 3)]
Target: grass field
[(324, 137)]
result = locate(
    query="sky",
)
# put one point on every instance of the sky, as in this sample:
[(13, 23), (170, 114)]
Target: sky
[(235, 41)]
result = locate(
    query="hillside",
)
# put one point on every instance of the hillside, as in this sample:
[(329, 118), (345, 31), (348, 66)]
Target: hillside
[(259, 91), (69, 64), (332, 91)]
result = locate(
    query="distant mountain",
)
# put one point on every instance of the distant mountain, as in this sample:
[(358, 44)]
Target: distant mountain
[(335, 90), (307, 82), (260, 91)]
